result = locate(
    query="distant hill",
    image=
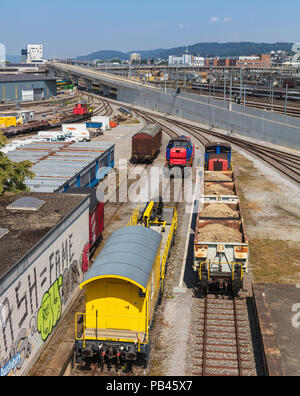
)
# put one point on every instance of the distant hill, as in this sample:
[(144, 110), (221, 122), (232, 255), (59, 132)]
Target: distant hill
[(203, 49)]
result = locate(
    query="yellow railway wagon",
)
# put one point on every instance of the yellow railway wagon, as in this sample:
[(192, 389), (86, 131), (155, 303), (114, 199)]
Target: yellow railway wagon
[(123, 289)]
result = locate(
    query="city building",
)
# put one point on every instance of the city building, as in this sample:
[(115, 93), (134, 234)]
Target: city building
[(253, 61), (186, 60), (135, 58), (26, 87), (34, 53)]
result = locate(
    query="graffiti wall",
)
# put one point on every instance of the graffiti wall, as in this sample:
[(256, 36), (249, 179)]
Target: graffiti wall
[(33, 305)]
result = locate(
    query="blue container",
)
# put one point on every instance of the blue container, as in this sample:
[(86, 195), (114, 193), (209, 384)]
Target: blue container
[(94, 124)]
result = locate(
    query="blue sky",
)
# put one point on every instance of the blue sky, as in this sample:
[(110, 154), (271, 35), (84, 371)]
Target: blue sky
[(74, 27)]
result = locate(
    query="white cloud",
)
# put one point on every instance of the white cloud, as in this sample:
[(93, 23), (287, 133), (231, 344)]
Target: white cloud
[(227, 20), (180, 25), (214, 19)]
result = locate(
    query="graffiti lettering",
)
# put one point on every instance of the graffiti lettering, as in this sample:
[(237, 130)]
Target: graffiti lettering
[(71, 253), (22, 350), (57, 263), (296, 317), (32, 287), (5, 370), (6, 320), (19, 302), (85, 259), (50, 311), (64, 255), (51, 266), (71, 280), (32, 306)]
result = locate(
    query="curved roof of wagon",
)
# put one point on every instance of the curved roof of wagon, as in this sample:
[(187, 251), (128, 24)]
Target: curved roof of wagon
[(129, 254), (150, 130), (214, 144)]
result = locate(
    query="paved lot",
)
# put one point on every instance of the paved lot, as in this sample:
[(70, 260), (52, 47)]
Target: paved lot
[(278, 309)]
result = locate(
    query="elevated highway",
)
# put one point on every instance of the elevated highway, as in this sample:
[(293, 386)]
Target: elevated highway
[(90, 76), (263, 125)]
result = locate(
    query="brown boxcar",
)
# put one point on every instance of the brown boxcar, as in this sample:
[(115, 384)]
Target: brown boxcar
[(146, 143)]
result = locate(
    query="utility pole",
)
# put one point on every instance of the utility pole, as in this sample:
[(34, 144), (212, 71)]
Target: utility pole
[(165, 81), (224, 87), (230, 99), (241, 83), (286, 99)]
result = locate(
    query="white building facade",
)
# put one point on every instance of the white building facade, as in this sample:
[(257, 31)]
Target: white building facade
[(35, 53), (186, 60)]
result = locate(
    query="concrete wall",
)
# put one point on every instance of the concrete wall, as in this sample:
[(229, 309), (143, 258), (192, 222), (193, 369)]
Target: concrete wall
[(247, 122), (259, 124), (36, 293)]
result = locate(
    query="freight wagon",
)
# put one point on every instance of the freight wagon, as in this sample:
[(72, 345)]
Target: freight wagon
[(146, 144), (221, 250), (45, 124), (96, 217), (123, 289)]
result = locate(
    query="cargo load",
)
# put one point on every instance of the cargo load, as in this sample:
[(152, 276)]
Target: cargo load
[(221, 251)]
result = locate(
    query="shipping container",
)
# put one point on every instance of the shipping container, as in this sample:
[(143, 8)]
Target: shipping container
[(94, 125), (104, 120), (6, 122)]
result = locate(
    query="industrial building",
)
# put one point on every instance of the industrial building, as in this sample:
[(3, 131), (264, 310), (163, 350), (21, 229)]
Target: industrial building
[(253, 61), (59, 167), (24, 87), (43, 239)]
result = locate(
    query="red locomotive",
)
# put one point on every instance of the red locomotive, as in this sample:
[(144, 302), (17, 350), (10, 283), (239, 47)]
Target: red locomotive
[(180, 152), (81, 108)]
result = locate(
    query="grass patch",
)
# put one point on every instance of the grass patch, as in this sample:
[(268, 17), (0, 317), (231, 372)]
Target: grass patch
[(275, 261)]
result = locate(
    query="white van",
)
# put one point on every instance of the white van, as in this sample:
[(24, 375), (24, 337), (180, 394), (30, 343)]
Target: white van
[(55, 136), (78, 131)]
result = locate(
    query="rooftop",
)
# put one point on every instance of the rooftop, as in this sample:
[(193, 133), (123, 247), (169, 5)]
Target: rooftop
[(130, 254), (24, 77), (26, 228), (57, 163)]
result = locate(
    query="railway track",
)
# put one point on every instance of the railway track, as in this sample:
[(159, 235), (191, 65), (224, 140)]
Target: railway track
[(221, 344), (286, 163), (103, 109), (293, 111)]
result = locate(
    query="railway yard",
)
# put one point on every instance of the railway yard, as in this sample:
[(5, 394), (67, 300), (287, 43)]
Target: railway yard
[(247, 326)]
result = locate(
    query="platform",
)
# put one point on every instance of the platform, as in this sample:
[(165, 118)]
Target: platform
[(278, 309)]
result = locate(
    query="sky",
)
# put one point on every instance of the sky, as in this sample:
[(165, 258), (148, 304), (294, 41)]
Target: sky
[(70, 28)]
